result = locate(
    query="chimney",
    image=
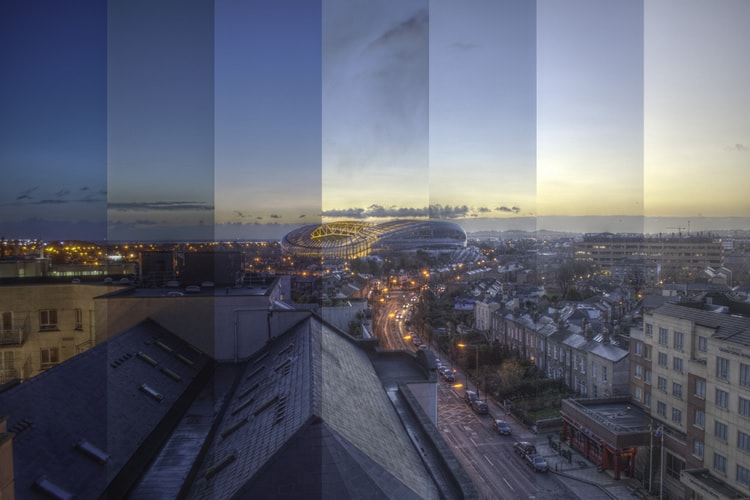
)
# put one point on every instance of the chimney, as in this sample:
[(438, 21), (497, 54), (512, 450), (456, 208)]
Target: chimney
[(605, 332)]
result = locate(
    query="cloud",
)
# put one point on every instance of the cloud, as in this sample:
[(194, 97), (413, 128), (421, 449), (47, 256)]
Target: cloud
[(26, 195), (435, 211), (239, 214), (275, 216), (62, 193), (514, 210), (739, 147), (302, 216), (160, 205)]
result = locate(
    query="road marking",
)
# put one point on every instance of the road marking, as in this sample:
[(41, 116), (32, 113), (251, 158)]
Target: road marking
[(488, 459), (475, 443), (509, 486)]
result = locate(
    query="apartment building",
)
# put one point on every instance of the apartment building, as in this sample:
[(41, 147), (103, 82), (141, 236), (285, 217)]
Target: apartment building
[(691, 375), (45, 324), (650, 259)]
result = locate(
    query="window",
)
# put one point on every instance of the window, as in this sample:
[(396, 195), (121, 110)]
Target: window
[(661, 408), (720, 463), (722, 368), (744, 407), (743, 476), (47, 319), (663, 359), (744, 375), (593, 370), (604, 373), (698, 448), (647, 399), (639, 348), (678, 340), (647, 376), (638, 371), (677, 364), (649, 330), (7, 321), (700, 388), (722, 399), (78, 319), (677, 390), (720, 430), (702, 344), (699, 418), (677, 416), (647, 352), (663, 334), (638, 393), (7, 361), (743, 441), (662, 384), (49, 357), (674, 466)]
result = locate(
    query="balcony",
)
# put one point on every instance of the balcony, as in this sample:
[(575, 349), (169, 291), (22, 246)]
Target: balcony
[(6, 375), (12, 336)]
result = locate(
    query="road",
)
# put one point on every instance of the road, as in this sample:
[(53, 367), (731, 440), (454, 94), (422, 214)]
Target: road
[(487, 457)]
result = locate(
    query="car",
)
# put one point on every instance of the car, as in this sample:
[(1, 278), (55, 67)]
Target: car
[(470, 396), (501, 427), (447, 374), (480, 407), (537, 462), (416, 341), (524, 448)]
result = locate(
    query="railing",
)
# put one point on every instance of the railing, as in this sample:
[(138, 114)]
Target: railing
[(83, 346), (9, 374), (13, 336)]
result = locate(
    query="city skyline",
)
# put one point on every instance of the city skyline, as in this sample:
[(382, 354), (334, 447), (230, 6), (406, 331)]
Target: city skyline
[(249, 119)]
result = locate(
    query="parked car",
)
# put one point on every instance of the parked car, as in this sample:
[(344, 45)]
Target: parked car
[(537, 462), (501, 427), (524, 448), (470, 396), (480, 407)]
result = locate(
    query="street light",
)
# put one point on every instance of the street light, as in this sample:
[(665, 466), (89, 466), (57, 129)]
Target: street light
[(476, 365)]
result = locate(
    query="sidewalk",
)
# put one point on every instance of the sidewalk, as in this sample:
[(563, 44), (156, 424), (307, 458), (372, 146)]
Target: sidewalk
[(579, 469), (582, 470)]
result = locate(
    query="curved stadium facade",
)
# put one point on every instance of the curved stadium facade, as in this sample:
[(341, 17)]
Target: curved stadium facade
[(352, 239)]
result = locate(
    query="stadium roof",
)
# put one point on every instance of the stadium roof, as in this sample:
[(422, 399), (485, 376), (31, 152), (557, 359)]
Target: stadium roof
[(352, 239)]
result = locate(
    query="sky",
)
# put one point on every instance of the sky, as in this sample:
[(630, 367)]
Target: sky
[(199, 120)]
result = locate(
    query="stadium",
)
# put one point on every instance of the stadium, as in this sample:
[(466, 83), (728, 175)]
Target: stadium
[(353, 239)]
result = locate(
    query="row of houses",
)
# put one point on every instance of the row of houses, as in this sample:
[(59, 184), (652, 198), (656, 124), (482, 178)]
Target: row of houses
[(669, 403)]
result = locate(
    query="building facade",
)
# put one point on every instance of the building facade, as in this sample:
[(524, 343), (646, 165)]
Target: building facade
[(691, 374)]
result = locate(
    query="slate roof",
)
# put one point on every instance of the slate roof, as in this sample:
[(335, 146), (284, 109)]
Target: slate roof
[(311, 402), (145, 415), (88, 426), (734, 329)]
